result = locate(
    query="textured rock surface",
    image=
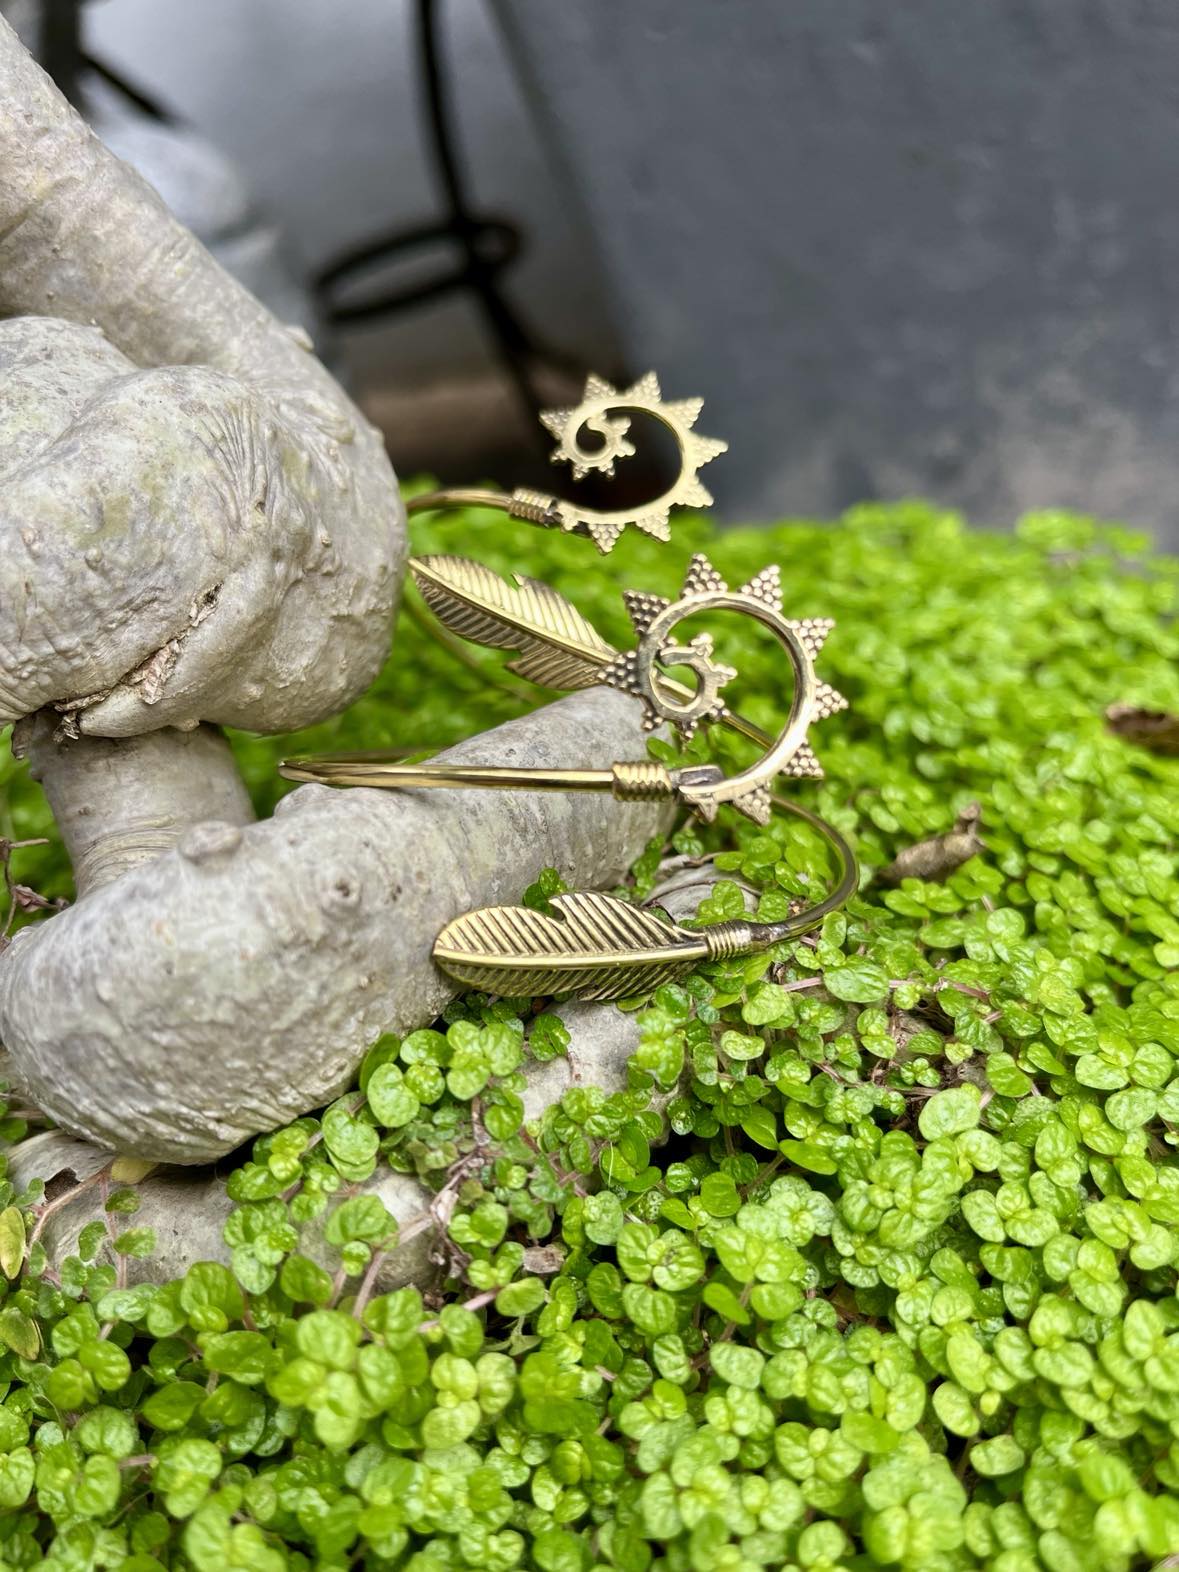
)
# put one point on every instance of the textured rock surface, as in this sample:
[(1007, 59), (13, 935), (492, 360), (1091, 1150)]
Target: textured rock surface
[(187, 1212), (234, 982), (195, 521), (197, 526), (151, 789), (187, 1208)]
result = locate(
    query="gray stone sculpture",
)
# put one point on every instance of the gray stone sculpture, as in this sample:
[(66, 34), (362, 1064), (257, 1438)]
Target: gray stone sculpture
[(197, 528)]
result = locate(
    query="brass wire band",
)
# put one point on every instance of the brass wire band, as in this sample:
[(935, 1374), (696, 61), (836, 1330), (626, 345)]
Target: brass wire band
[(536, 507), (359, 769), (846, 885), (436, 501), (643, 780), (380, 770), (745, 936)]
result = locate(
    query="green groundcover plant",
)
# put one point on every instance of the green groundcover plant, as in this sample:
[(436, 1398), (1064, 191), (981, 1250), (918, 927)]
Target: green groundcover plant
[(891, 1282)]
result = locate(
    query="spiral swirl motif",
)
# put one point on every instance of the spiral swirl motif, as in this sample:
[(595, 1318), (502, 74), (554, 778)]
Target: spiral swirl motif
[(655, 619), (594, 435), (642, 780)]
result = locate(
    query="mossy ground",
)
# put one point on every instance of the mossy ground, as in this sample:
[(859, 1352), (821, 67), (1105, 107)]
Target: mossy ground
[(900, 1290)]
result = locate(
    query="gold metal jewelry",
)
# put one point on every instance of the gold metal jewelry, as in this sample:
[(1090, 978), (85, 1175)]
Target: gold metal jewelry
[(556, 646), (593, 946), (597, 414), (654, 617), (703, 787)]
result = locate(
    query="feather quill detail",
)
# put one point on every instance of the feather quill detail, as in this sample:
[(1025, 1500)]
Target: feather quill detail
[(593, 945), (557, 647)]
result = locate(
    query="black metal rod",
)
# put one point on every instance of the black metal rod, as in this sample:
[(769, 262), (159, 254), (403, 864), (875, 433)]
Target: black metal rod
[(513, 342)]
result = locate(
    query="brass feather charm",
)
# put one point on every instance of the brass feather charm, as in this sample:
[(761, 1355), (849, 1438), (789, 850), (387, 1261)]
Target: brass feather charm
[(594, 946), (589, 945), (599, 947), (557, 647)]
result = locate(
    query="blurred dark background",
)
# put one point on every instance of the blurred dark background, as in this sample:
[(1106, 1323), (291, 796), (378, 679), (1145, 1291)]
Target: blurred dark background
[(910, 249)]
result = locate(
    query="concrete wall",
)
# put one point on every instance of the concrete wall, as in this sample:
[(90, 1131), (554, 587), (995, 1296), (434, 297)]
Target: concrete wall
[(901, 248), (318, 105), (923, 247)]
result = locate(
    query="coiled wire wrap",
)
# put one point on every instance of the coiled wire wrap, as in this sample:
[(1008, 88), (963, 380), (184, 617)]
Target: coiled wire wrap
[(728, 938), (641, 780), (535, 506)]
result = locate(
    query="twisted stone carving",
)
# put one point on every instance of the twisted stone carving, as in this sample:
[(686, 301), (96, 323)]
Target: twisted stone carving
[(198, 528)]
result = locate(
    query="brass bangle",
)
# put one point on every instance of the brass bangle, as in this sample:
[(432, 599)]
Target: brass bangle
[(376, 769), (588, 946), (592, 946), (451, 586), (701, 787), (555, 646)]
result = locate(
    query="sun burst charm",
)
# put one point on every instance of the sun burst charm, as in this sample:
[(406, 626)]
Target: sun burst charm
[(638, 671), (662, 703), (591, 415), (601, 414)]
